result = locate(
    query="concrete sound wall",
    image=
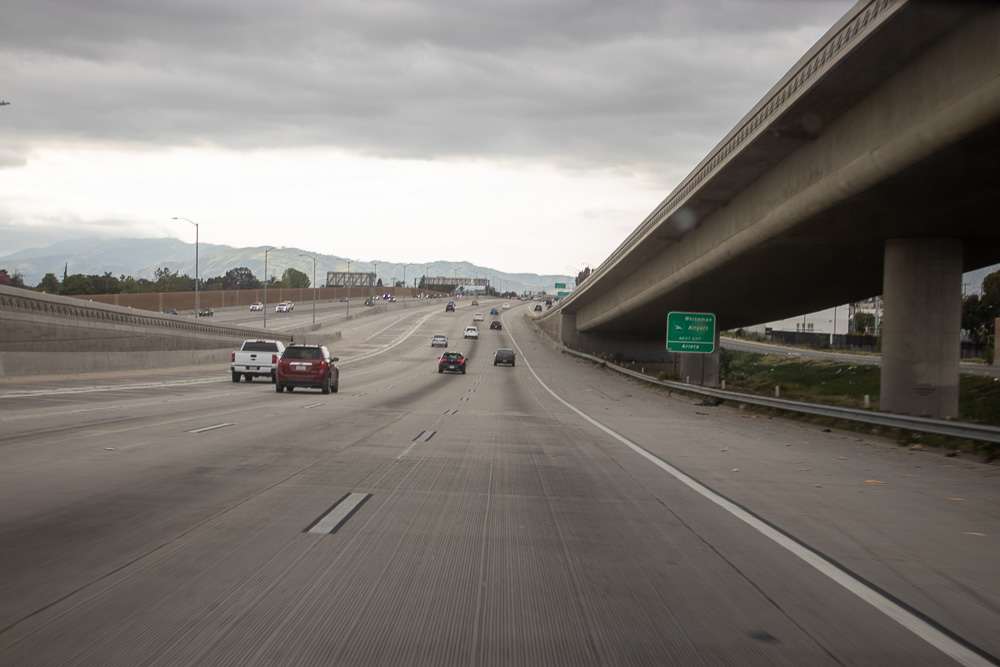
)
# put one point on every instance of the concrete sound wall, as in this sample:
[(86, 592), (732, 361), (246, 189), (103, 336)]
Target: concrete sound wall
[(44, 334), (157, 301)]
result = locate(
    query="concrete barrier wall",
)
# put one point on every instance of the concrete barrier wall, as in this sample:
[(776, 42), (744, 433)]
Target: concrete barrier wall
[(157, 301), (43, 334)]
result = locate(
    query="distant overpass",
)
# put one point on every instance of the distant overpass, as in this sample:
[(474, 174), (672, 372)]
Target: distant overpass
[(870, 168)]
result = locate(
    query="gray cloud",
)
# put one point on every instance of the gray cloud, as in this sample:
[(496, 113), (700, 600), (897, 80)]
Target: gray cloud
[(582, 85)]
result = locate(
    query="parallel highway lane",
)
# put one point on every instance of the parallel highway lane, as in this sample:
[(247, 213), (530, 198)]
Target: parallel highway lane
[(167, 523), (965, 367)]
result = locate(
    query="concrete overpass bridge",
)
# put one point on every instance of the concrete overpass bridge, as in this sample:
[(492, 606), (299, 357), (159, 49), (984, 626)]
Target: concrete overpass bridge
[(872, 167)]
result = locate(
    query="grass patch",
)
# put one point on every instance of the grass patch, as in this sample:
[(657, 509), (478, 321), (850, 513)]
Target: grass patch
[(844, 384), (979, 399), (828, 382)]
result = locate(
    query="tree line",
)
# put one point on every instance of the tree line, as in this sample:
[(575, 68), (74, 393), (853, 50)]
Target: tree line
[(164, 280)]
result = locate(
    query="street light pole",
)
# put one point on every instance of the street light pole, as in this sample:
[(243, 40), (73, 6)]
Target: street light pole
[(405, 288), (314, 284), (348, 288), (265, 285), (196, 311)]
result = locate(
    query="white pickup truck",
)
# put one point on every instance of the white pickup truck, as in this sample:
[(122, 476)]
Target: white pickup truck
[(257, 358)]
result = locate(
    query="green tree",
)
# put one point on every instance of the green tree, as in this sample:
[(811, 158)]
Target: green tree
[(241, 278), (5, 278), (864, 322), (129, 285), (975, 318), (172, 282), (77, 284), (49, 284), (294, 278), (105, 283)]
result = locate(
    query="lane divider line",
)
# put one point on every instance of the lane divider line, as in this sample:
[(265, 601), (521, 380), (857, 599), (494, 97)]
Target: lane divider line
[(935, 634), (210, 428), (341, 511)]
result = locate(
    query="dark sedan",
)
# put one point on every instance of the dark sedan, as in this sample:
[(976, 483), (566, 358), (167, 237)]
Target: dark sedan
[(495, 324), (503, 356), (452, 361)]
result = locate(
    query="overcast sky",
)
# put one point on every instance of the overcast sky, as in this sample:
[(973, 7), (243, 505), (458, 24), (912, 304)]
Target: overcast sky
[(526, 136)]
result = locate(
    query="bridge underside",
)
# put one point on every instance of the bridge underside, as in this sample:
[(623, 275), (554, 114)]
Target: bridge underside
[(868, 169), (838, 256)]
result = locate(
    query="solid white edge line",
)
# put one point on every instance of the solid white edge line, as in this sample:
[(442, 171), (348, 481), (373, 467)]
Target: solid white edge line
[(908, 620)]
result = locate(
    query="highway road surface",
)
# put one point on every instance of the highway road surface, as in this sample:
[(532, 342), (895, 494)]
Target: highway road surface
[(552, 513)]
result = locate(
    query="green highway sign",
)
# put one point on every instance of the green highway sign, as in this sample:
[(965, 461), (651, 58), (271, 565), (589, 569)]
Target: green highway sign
[(691, 332), (562, 293), (562, 285)]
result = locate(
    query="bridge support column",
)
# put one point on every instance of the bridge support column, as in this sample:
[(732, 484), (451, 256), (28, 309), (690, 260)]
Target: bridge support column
[(920, 334), (701, 369)]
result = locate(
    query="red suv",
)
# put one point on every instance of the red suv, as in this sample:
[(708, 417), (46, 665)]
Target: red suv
[(307, 366)]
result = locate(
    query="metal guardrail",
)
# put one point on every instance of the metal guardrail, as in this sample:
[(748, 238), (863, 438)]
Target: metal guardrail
[(963, 430)]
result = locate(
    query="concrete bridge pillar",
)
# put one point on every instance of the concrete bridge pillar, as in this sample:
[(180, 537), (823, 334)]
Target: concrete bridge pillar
[(920, 335)]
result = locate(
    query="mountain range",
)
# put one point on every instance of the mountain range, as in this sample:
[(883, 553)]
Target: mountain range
[(139, 258)]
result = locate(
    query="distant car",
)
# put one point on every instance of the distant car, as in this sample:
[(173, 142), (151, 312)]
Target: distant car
[(478, 317), (494, 311), (391, 299), (472, 332), (503, 356), (206, 312), (344, 299), (474, 303), (256, 305), (538, 307), (307, 366), (369, 302), (495, 324), (452, 361), (450, 308), (439, 340), (506, 306), (169, 311), (282, 307)]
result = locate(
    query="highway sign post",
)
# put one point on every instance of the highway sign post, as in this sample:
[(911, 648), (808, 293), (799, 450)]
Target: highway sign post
[(691, 332)]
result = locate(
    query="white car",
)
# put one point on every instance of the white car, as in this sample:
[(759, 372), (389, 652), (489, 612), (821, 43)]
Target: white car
[(472, 332), (506, 306), (478, 317), (439, 340), (283, 307), (256, 305)]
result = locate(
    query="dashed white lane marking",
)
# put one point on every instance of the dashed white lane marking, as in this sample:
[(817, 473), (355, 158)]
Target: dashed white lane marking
[(339, 513), (210, 428), (927, 631)]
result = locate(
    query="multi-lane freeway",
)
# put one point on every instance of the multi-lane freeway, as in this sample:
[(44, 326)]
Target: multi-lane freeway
[(550, 513)]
